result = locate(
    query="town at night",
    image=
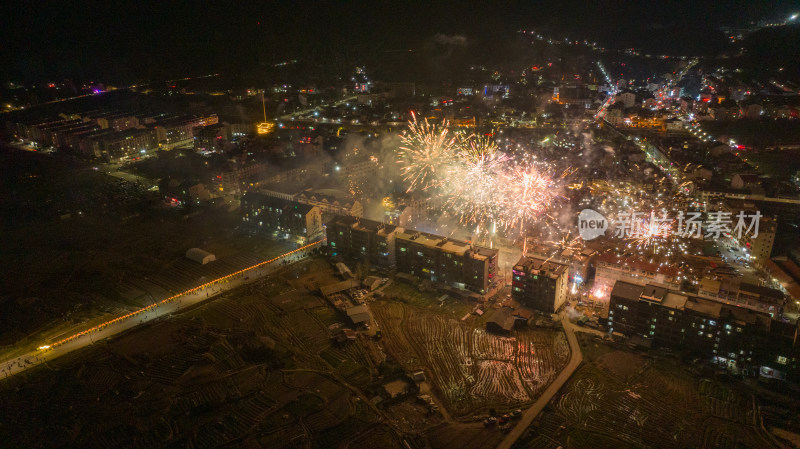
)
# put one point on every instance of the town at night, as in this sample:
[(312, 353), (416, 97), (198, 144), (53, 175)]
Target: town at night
[(442, 225)]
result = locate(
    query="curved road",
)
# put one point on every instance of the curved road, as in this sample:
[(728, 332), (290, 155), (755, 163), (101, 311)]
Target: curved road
[(165, 307), (576, 357)]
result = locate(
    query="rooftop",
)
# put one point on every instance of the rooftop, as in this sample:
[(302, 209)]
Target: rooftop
[(503, 319), (675, 301), (654, 292), (626, 290), (538, 265), (455, 247), (337, 287), (704, 306), (356, 310)]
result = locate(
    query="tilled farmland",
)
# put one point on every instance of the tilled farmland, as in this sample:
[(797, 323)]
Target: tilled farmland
[(471, 368)]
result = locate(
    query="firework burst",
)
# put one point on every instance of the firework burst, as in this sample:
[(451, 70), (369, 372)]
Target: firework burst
[(426, 151), (473, 181), (480, 184), (527, 194)]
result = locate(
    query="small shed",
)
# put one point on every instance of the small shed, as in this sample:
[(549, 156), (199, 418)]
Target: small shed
[(338, 287), (358, 314), (346, 335), (200, 256), (501, 322), (372, 282)]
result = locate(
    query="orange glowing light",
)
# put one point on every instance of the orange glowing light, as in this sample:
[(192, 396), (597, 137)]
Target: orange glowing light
[(171, 298)]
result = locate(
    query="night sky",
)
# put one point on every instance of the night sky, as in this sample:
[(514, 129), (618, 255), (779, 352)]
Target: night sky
[(130, 41)]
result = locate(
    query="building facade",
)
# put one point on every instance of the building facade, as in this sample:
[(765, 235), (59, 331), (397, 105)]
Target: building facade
[(363, 240), (281, 218), (737, 338), (435, 258), (446, 261), (539, 283)]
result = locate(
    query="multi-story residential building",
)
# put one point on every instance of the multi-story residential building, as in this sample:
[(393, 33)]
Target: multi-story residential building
[(360, 169), (581, 262), (44, 133), (117, 121), (628, 99), (442, 260), (117, 144), (68, 138), (330, 204), (540, 283), (363, 240), (121, 144), (281, 218), (175, 132), (735, 337), (240, 178), (211, 138), (241, 129)]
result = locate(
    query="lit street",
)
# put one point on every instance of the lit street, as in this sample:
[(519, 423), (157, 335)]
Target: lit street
[(163, 308)]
